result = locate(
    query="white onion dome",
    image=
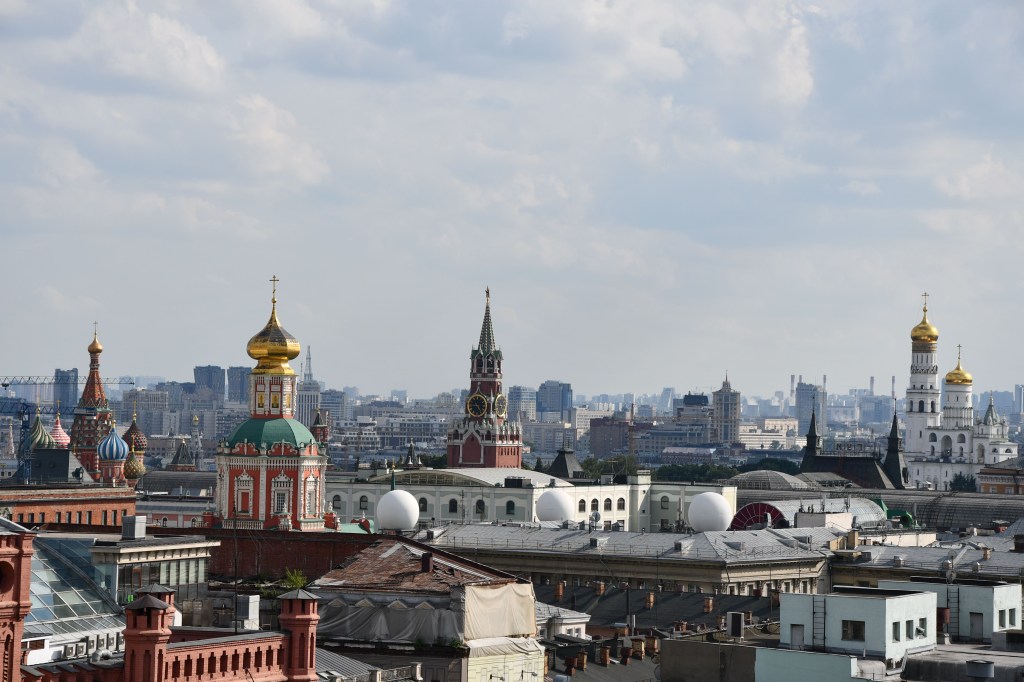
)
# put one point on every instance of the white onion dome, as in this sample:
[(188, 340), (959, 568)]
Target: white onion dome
[(554, 505), (709, 511), (112, 448), (397, 510)]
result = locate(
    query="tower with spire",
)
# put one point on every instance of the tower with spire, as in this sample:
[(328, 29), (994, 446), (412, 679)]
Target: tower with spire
[(270, 471), (93, 418), (307, 399), (484, 437)]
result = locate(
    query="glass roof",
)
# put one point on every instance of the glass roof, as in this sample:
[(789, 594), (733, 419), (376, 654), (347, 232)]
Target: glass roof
[(65, 599)]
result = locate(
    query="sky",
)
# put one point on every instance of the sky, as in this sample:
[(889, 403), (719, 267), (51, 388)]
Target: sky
[(656, 193)]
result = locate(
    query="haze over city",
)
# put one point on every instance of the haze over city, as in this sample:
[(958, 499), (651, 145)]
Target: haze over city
[(656, 193)]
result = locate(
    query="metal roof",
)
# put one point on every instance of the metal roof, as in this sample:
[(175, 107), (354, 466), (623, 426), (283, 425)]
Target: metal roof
[(483, 476)]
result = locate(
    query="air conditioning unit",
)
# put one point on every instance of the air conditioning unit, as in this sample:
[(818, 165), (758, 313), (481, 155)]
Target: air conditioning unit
[(69, 651), (79, 649)]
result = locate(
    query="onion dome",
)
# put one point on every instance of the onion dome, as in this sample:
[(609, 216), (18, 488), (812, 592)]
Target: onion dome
[(112, 447), (135, 438), (39, 438), (59, 435), (133, 467), (958, 375), (925, 330), (272, 347), (95, 347)]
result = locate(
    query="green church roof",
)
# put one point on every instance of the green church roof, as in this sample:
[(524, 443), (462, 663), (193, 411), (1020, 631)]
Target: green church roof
[(270, 431)]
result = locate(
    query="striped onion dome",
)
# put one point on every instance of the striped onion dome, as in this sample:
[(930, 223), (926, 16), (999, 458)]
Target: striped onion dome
[(133, 467), (59, 435), (113, 447), (39, 437), (135, 438)]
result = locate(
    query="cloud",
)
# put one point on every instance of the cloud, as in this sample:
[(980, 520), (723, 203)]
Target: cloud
[(268, 135), (989, 178), (864, 188)]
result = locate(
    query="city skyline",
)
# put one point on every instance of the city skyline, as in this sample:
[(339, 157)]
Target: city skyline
[(656, 195)]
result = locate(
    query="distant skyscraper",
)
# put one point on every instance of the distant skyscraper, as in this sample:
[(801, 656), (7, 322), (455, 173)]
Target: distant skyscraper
[(65, 389), (665, 401), (307, 397), (212, 378), (238, 384), (725, 415), (522, 404), (554, 401), (336, 402), (810, 399)]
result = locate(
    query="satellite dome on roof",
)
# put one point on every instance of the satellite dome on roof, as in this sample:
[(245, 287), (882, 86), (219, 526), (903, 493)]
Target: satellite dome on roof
[(397, 510), (709, 511), (112, 447), (554, 505)]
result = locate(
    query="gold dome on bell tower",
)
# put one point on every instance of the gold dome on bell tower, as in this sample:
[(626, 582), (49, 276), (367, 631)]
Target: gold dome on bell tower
[(958, 375), (925, 330), (272, 347)]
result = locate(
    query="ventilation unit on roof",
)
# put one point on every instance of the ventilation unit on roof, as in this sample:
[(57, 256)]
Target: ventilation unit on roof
[(69, 651), (678, 544), (598, 542)]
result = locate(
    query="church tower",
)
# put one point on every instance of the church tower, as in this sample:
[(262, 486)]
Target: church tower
[(924, 392), (93, 418), (270, 471), (484, 437)]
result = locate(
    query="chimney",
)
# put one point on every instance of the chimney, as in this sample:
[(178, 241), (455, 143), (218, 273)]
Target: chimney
[(709, 604), (427, 562), (871, 386), (986, 553), (559, 590), (599, 586), (649, 600)]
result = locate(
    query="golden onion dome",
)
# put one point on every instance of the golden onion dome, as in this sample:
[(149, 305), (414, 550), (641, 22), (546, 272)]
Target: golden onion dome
[(95, 346), (272, 347), (925, 330), (958, 375)]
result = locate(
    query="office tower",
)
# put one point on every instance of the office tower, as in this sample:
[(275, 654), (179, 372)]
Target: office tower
[(725, 415), (554, 401), (65, 388), (210, 377), (810, 399), (307, 397), (238, 384), (522, 403)]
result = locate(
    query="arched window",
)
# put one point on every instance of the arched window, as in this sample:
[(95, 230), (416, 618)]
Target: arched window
[(480, 508), (620, 504), (583, 505), (664, 501), (364, 502), (920, 406), (423, 504), (607, 504), (932, 438), (594, 505), (961, 438), (163, 522), (453, 506), (336, 502), (510, 508), (933, 406)]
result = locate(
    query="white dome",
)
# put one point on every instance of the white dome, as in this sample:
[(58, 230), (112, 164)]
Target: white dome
[(709, 511), (554, 505), (397, 510)]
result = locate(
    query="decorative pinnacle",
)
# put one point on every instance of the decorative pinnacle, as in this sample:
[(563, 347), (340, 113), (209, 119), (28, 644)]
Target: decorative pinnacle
[(487, 329)]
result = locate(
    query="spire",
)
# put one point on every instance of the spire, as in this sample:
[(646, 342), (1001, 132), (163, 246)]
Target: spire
[(991, 418), (307, 373), (487, 330), (93, 394)]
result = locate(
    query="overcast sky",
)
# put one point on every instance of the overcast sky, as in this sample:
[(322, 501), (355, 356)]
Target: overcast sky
[(657, 193)]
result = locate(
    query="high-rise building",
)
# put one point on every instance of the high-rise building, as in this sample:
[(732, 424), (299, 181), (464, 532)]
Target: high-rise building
[(65, 388), (210, 377), (307, 397), (335, 402), (725, 414), (810, 399), (238, 384), (484, 437), (554, 401), (522, 404)]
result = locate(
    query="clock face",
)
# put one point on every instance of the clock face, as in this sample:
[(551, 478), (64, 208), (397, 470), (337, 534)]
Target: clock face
[(500, 405), (476, 405)]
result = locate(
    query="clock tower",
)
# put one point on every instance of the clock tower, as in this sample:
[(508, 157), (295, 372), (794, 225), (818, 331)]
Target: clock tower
[(484, 436)]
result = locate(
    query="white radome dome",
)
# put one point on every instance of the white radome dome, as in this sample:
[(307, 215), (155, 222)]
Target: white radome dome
[(709, 511), (397, 510), (554, 505)]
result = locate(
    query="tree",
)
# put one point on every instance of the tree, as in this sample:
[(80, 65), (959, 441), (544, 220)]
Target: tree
[(294, 579), (964, 484), (698, 473)]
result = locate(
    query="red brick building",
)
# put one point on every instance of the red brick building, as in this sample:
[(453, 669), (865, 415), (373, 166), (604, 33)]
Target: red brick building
[(74, 505)]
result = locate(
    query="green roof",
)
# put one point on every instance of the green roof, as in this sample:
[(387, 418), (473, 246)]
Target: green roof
[(270, 431)]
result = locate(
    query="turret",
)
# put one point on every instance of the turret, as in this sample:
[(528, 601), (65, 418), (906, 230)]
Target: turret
[(299, 617)]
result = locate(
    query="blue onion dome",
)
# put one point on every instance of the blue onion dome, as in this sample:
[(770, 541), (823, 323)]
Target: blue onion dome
[(113, 447)]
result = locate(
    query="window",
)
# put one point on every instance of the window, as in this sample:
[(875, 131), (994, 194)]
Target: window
[(922, 627), (664, 501), (280, 502), (423, 504), (853, 630), (1013, 618), (620, 504), (480, 508), (583, 505), (895, 632), (1002, 618), (163, 522), (510, 508), (336, 502), (594, 505), (453, 506), (364, 503), (607, 504), (910, 629)]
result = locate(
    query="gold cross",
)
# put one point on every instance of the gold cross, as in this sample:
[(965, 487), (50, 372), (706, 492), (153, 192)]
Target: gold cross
[(274, 280), (925, 296)]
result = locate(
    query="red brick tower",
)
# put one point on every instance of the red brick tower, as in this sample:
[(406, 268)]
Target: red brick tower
[(92, 415), (15, 603), (146, 634), (299, 617), (483, 437)]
